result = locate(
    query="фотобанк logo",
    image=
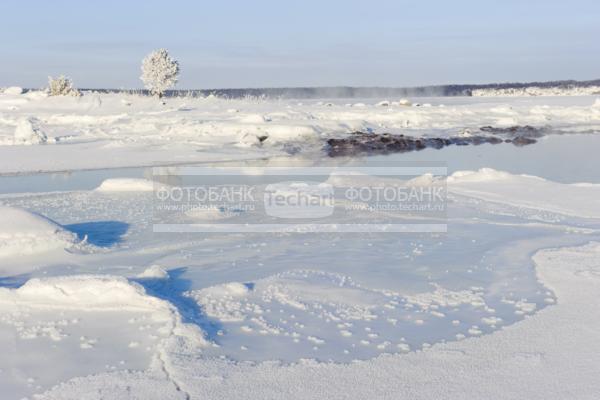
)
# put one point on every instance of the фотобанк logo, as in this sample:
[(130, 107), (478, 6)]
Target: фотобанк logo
[(299, 200)]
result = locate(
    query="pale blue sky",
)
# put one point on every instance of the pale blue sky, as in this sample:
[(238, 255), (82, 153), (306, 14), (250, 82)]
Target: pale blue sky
[(302, 43)]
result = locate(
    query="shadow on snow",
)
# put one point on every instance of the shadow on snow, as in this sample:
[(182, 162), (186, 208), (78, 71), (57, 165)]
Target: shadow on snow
[(99, 233), (172, 290)]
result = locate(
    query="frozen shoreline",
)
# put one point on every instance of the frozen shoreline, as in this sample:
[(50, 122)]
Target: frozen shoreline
[(116, 131)]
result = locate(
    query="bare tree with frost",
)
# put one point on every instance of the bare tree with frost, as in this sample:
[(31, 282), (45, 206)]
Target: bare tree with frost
[(159, 72)]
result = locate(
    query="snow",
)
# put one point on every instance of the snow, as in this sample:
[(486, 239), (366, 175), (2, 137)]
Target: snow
[(86, 292), (87, 308), (126, 185), (551, 355), (527, 192), (24, 233), (302, 308), (501, 306), (28, 132), (13, 90), (154, 272)]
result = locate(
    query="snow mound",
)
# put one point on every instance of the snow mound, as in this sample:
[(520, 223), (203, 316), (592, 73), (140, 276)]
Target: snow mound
[(107, 317), (154, 272), (482, 175), (232, 289), (126, 185), (83, 292), (424, 180), (14, 90), (28, 132), (23, 232)]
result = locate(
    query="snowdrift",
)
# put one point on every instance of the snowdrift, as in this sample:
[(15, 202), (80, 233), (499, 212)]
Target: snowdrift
[(100, 293), (28, 132), (23, 233), (126, 185), (89, 292), (90, 321), (528, 191), (13, 90)]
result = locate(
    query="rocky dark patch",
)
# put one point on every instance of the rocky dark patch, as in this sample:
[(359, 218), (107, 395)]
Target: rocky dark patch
[(515, 131), (385, 143), (521, 141), (363, 143), (517, 135)]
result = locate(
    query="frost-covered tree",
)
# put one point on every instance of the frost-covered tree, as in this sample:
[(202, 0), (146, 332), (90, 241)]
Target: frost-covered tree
[(61, 86), (159, 72)]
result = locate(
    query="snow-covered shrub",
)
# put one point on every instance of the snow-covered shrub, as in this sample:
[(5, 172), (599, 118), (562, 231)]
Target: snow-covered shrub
[(61, 86), (159, 72)]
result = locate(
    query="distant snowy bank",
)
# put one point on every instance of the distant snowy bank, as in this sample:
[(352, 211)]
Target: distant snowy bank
[(538, 91)]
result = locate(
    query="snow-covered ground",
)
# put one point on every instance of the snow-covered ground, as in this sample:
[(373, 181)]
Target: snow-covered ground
[(94, 305), (39, 133)]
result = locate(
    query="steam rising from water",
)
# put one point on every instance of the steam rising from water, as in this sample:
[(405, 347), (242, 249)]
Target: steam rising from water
[(361, 92)]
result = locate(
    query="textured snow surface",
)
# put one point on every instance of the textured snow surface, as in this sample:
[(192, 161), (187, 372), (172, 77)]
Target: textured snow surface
[(549, 356), (328, 316), (95, 323)]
